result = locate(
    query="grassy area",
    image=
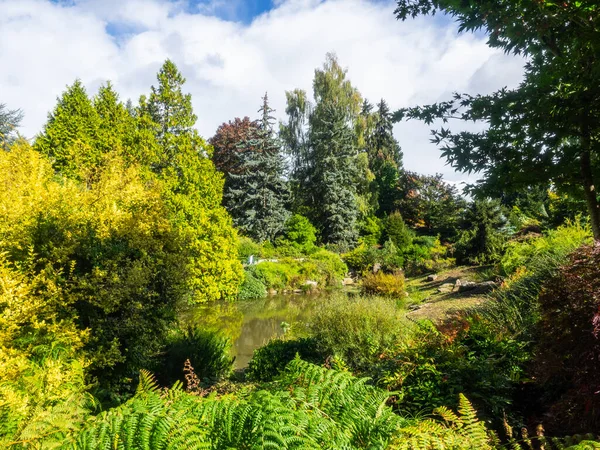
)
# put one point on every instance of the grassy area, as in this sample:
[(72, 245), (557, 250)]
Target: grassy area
[(432, 300)]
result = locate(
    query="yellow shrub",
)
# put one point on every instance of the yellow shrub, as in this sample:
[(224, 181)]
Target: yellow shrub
[(384, 284)]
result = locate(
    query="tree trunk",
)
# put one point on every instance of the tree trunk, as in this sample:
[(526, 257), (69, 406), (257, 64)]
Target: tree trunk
[(590, 192)]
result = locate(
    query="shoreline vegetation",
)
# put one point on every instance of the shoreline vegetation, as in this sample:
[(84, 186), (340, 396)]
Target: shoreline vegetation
[(446, 320)]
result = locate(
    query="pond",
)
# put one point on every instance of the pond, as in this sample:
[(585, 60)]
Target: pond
[(251, 324)]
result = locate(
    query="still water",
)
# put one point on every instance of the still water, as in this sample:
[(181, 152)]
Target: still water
[(250, 324)]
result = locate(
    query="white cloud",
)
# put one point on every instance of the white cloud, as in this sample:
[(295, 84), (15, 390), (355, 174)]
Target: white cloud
[(229, 65)]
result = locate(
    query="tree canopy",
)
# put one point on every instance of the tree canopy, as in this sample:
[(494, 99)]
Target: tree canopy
[(547, 129)]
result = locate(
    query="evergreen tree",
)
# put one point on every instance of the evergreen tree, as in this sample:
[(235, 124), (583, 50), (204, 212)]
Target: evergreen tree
[(256, 193), (171, 113), (333, 191), (193, 188), (70, 136), (116, 127), (385, 158), (323, 140), (10, 119)]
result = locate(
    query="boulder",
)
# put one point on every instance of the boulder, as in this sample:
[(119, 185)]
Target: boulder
[(485, 286), (432, 277), (376, 267), (272, 291), (347, 281)]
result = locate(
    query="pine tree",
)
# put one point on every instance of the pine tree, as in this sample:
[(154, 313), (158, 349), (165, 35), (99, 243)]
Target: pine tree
[(117, 127), (385, 158), (10, 119), (69, 137), (256, 193), (193, 188), (171, 113), (333, 191), (323, 141)]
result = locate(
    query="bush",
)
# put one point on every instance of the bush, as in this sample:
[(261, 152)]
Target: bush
[(299, 234), (384, 284), (358, 330), (361, 259), (371, 231), (426, 254), (470, 357), (208, 352), (324, 267), (331, 266), (247, 247), (102, 262), (568, 353), (564, 239), (397, 231), (481, 241), (270, 360), (251, 287)]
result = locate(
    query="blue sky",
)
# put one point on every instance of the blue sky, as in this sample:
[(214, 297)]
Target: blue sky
[(232, 51)]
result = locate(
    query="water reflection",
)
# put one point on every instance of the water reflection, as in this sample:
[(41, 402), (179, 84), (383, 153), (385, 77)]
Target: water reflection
[(250, 324)]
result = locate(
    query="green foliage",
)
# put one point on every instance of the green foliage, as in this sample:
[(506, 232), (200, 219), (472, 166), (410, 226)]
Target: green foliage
[(324, 267), (309, 407), (462, 431), (299, 234), (207, 351), (42, 395), (330, 265), (256, 194), (323, 147), (516, 309), (271, 359), (192, 191), (10, 120), (433, 368), (542, 131), (562, 240), (251, 287), (70, 135), (362, 259), (357, 330), (481, 241), (99, 264), (426, 254), (247, 247), (397, 231), (371, 231), (381, 283), (430, 205)]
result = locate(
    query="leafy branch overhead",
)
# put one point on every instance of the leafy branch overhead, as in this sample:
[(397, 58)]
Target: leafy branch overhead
[(546, 130)]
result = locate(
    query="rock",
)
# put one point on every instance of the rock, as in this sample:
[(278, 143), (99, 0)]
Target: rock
[(486, 286), (272, 292), (347, 281), (457, 285), (432, 277), (467, 286), (445, 288), (376, 267), (414, 307)]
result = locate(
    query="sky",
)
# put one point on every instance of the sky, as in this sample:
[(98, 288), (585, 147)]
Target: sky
[(233, 51)]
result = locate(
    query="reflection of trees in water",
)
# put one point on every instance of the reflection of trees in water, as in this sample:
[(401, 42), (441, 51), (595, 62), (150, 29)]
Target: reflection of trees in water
[(250, 324)]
